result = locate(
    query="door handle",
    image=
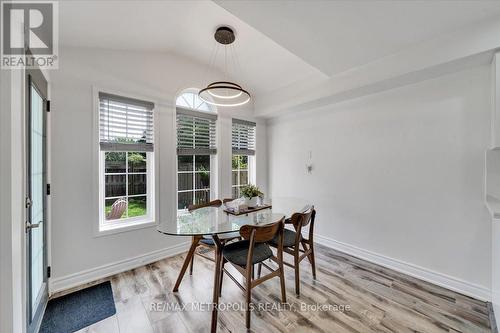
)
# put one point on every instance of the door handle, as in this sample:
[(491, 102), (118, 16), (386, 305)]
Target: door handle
[(30, 226)]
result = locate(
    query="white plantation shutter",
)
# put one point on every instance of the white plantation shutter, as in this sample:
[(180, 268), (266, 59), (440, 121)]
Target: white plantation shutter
[(125, 124), (195, 132), (243, 137)]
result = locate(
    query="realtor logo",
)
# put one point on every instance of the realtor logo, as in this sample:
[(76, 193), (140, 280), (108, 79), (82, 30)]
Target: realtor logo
[(29, 34)]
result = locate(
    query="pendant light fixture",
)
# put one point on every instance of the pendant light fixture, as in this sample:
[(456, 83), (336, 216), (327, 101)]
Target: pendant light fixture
[(224, 92)]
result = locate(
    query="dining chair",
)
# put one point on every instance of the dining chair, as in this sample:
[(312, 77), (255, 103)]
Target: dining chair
[(292, 241), (117, 209), (252, 250), (206, 241)]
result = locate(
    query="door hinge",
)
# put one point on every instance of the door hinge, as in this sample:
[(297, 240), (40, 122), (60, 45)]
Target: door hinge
[(48, 271), (48, 189), (48, 105)]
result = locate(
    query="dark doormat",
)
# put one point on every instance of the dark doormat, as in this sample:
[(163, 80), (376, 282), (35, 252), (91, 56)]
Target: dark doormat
[(72, 312)]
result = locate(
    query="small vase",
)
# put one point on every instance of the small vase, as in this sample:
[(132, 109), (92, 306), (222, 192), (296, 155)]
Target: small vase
[(253, 202)]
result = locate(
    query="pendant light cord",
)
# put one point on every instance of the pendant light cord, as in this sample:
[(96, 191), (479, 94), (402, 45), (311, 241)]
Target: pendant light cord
[(224, 92)]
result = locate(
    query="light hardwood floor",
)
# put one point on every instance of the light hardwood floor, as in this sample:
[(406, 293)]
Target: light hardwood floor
[(380, 300)]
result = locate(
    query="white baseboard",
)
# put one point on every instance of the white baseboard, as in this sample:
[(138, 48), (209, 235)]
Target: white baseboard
[(440, 279), (76, 279)]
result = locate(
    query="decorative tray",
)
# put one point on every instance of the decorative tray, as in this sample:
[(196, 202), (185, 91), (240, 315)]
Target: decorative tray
[(247, 210)]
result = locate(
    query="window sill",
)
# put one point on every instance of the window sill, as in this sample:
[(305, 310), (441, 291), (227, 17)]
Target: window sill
[(106, 230)]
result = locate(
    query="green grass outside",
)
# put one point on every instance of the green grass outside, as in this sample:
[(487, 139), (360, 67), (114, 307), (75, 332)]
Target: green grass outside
[(135, 208)]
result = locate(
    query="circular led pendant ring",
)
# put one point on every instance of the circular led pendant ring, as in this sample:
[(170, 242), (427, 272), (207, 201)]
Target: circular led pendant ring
[(224, 93), (224, 104), (239, 97), (213, 88), (225, 97)]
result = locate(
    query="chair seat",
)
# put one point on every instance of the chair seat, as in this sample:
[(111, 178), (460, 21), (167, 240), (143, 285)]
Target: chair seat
[(288, 238), (206, 240), (237, 252), (223, 237)]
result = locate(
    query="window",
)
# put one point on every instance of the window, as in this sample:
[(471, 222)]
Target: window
[(126, 161), (243, 146), (240, 174), (196, 128), (193, 180)]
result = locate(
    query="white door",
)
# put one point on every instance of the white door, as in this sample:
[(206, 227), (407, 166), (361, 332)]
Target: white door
[(36, 224)]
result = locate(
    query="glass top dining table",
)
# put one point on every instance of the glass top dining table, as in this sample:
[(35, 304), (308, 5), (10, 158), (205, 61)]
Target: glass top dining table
[(215, 221)]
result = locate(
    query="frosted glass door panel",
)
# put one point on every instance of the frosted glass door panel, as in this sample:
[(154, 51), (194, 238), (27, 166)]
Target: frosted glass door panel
[(37, 206)]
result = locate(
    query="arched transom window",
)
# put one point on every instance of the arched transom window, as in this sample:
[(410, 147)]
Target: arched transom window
[(191, 100)]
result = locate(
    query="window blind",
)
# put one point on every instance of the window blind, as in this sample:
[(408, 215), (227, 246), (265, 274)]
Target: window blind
[(195, 132), (125, 124), (243, 137)]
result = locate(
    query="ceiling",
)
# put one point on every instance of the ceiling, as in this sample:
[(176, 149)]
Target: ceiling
[(335, 36), (185, 28), (278, 43)]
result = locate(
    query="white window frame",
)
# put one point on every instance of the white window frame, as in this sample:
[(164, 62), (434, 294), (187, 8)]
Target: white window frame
[(213, 158), (212, 181), (252, 160), (250, 169), (100, 226), (126, 222)]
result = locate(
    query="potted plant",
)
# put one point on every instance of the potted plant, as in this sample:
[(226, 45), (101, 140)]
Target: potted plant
[(251, 193)]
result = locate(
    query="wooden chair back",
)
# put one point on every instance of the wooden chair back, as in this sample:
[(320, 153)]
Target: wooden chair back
[(213, 203), (300, 220), (117, 209), (261, 233)]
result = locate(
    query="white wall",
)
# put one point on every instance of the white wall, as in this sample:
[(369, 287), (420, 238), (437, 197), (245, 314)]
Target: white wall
[(158, 77), (6, 310), (493, 185), (495, 267), (12, 236), (398, 173)]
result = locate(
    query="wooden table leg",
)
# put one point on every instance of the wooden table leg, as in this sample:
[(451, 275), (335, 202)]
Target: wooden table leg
[(187, 260), (218, 259)]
